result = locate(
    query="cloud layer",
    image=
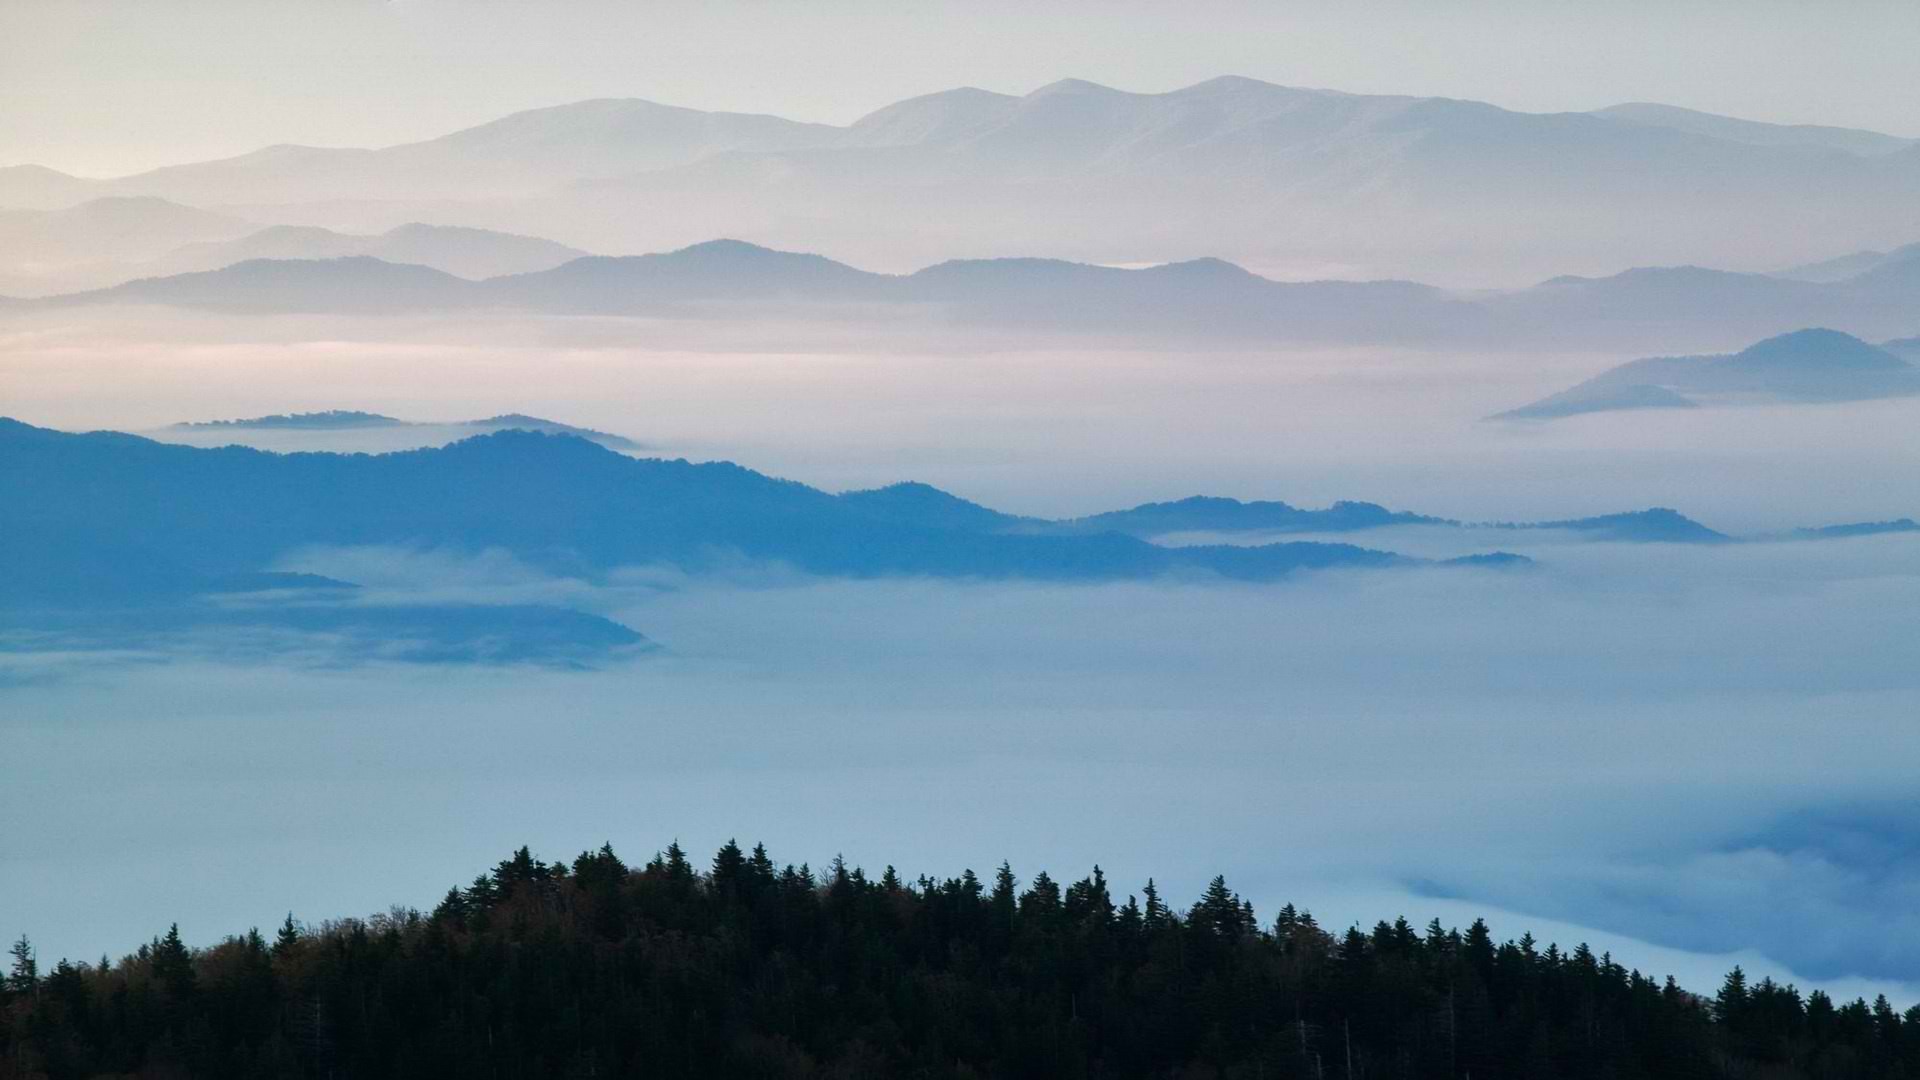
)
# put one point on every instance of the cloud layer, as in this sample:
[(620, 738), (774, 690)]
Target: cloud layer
[(1703, 750)]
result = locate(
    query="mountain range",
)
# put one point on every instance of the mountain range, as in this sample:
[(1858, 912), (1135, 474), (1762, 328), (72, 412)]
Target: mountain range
[(114, 539), (1202, 300), (1289, 180), (1815, 365), (107, 517), (111, 240)]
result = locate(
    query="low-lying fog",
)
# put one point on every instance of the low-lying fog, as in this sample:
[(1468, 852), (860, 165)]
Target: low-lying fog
[(1711, 750), (1689, 756), (1045, 425)]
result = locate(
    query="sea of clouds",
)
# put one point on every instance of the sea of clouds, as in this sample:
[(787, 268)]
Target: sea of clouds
[(1690, 756)]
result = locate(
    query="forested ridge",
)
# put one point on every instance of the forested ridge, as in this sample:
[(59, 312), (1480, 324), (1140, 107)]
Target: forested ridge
[(598, 969)]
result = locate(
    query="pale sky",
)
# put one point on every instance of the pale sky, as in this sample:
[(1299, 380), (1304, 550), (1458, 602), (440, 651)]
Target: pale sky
[(103, 87)]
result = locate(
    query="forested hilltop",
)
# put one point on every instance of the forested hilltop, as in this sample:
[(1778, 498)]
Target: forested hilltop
[(749, 969)]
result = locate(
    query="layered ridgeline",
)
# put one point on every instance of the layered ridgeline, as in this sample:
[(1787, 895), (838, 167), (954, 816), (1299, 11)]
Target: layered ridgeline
[(1806, 366), (1259, 173), (113, 539), (1197, 300), (109, 240), (752, 969), (114, 515)]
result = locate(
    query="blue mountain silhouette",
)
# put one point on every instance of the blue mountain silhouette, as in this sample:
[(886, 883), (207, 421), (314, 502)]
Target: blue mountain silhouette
[(103, 516)]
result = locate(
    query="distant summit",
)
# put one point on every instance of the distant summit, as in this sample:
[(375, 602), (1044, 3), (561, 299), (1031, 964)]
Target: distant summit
[(1857, 529), (462, 252), (1848, 267), (1657, 526), (523, 422), (351, 420), (330, 420), (1813, 365), (1213, 514)]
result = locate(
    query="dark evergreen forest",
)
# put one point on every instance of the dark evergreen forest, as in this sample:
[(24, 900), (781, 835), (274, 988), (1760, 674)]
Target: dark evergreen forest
[(749, 969)]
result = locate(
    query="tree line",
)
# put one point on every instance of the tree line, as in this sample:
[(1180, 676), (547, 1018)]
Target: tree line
[(750, 969)]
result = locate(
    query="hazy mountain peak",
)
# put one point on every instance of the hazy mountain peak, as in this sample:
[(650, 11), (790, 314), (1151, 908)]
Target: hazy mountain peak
[(1655, 524), (936, 118), (603, 114), (728, 248), (1816, 347), (1811, 365), (1838, 268), (1207, 266), (921, 504), (329, 419), (39, 172), (1079, 86), (1232, 83), (604, 137)]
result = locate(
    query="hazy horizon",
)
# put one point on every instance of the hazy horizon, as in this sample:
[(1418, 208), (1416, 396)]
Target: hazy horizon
[(107, 120)]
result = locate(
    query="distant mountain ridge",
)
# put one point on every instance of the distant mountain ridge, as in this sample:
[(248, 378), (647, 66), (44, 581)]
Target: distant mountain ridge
[(1259, 173), (1846, 267), (107, 516), (1214, 514), (1658, 525), (1197, 300), (462, 252), (108, 519), (349, 419), (1813, 365), (1794, 136), (112, 240), (330, 419)]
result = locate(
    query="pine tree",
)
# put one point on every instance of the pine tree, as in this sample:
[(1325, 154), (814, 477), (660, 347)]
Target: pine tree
[(1218, 911), (676, 865), (173, 965), (1002, 906), (1155, 914), (1088, 900), (289, 934), (1041, 899), (1730, 1004), (760, 865), (730, 871), (1478, 948), (24, 976), (1284, 922)]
